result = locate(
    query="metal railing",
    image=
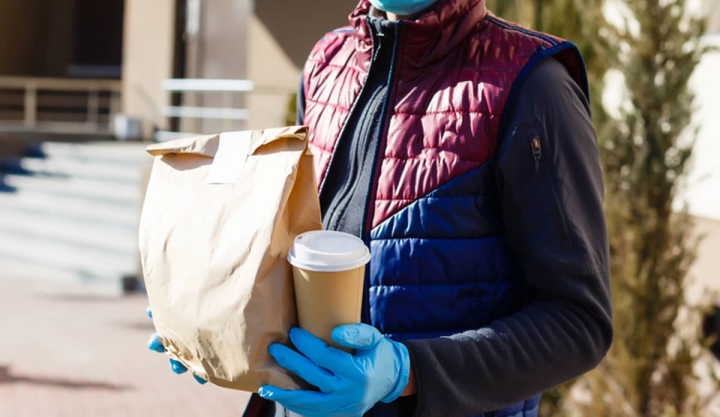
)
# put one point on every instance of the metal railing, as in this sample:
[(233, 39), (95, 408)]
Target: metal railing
[(87, 106), (226, 87), (59, 105), (227, 113)]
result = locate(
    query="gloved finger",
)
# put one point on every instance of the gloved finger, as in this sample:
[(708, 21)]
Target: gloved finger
[(303, 367), (199, 380), (334, 360), (310, 400), (356, 336), (148, 311), (155, 343), (177, 367)]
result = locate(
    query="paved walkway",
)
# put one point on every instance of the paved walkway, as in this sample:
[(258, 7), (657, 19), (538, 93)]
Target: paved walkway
[(65, 352)]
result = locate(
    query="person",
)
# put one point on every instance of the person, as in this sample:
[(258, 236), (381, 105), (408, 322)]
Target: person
[(460, 147)]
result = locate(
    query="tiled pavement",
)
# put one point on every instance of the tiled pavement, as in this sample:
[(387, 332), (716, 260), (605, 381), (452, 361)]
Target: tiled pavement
[(67, 352)]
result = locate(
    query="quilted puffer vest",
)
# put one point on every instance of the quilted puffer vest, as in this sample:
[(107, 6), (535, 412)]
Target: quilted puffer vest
[(440, 262)]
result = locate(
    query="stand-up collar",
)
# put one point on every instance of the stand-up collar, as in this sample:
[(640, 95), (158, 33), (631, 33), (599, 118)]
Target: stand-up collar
[(429, 36)]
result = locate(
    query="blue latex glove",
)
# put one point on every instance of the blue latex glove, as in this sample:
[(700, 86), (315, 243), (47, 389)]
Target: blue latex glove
[(155, 344), (349, 385)]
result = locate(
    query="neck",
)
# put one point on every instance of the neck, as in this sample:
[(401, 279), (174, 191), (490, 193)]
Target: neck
[(394, 17)]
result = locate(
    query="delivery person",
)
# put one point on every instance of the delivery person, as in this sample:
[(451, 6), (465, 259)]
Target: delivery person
[(460, 148)]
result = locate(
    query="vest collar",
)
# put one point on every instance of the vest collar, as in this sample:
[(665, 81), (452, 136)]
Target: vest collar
[(430, 36)]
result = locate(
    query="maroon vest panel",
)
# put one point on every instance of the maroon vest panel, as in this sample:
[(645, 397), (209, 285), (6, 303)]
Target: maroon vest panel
[(453, 72)]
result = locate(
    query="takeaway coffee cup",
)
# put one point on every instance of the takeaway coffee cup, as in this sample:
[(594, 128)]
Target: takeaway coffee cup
[(329, 271)]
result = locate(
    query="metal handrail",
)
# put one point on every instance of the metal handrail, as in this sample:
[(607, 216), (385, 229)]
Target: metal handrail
[(220, 113), (227, 114), (225, 87), (203, 85), (32, 85), (207, 85)]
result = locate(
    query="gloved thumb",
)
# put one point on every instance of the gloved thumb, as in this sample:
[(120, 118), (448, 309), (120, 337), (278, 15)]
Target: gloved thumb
[(356, 336)]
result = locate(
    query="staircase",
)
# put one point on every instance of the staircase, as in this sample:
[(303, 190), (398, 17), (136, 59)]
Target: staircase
[(69, 213)]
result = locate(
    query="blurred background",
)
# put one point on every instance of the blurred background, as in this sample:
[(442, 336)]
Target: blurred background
[(86, 85)]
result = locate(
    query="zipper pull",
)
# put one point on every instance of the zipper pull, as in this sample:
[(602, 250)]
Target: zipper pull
[(536, 147), (379, 37)]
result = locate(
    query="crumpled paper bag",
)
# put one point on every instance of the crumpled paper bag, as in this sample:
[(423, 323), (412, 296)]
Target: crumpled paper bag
[(219, 216)]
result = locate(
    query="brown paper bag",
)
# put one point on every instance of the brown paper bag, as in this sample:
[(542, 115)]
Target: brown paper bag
[(219, 217)]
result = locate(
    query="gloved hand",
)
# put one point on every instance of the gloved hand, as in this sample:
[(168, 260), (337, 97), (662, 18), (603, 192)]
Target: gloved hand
[(349, 385), (155, 344)]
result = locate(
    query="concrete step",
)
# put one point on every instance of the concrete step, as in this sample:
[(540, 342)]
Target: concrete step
[(105, 152), (71, 167), (69, 213), (79, 188), (83, 236), (96, 213), (17, 142)]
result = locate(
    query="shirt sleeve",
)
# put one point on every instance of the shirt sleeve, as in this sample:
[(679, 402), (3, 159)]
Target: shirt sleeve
[(549, 181)]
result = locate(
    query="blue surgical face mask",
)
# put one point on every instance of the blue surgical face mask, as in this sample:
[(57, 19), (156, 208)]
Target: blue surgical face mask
[(402, 7)]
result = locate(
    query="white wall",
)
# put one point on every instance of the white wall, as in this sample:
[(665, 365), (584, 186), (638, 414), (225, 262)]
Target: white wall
[(711, 8), (147, 59), (282, 34), (703, 193), (222, 53), (705, 271)]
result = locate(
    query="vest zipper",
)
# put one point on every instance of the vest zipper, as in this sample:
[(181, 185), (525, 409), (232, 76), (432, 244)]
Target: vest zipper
[(377, 51), (367, 223), (372, 190), (536, 147)]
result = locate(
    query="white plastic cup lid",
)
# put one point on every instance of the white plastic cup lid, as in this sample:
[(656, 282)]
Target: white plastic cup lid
[(327, 251)]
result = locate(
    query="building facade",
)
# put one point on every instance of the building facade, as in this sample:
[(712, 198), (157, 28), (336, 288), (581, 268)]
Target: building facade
[(144, 42), (266, 42)]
